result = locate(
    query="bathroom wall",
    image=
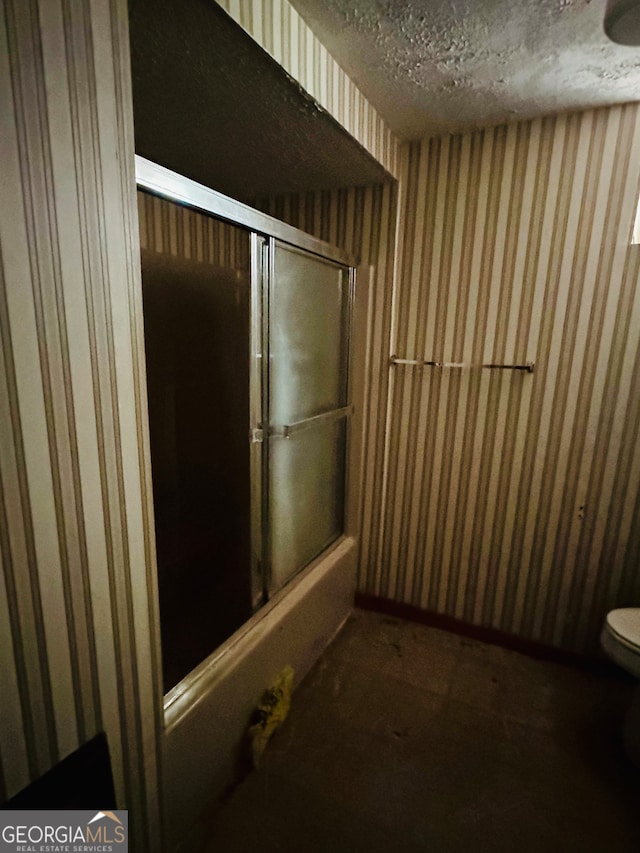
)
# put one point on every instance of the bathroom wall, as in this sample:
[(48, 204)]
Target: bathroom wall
[(512, 499), (167, 228), (504, 498), (78, 644)]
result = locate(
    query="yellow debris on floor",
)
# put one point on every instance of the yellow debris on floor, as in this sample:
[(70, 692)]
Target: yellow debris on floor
[(270, 713)]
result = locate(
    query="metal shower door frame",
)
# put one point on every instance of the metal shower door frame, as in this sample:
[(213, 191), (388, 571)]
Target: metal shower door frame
[(265, 232)]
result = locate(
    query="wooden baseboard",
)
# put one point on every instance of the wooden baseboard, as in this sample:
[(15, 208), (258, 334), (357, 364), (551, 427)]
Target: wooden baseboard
[(495, 637)]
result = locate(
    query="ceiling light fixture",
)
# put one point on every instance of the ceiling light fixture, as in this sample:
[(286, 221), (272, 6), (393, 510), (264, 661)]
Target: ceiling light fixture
[(622, 21)]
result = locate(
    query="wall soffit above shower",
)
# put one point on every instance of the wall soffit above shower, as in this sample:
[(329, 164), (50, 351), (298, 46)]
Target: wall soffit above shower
[(210, 103)]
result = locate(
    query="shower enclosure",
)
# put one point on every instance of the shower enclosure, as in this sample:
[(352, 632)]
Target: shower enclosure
[(247, 336)]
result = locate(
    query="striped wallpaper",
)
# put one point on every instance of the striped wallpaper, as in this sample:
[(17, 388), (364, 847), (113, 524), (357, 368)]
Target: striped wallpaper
[(503, 498), (79, 644), (512, 499), (166, 227), (278, 28)]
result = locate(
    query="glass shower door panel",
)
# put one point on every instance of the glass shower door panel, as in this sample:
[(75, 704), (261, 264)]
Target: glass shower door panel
[(196, 282), (308, 397), (308, 341), (307, 497)]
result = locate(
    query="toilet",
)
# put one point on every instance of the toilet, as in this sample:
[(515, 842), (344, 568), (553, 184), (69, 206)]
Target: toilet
[(620, 640)]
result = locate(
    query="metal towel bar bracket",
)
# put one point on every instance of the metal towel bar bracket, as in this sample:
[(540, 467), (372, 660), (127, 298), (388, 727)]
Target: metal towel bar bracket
[(527, 368)]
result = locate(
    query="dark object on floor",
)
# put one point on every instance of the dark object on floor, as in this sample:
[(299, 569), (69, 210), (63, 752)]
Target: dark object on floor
[(82, 780)]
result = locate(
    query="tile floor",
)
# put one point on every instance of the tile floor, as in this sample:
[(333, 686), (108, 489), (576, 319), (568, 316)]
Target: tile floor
[(407, 738)]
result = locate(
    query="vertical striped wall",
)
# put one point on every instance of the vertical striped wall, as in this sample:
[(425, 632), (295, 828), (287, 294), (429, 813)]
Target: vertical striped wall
[(503, 498), (168, 228), (278, 28), (512, 500), (79, 646)]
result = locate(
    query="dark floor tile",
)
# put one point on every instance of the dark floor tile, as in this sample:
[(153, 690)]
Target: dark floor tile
[(475, 683), (406, 738), (430, 670)]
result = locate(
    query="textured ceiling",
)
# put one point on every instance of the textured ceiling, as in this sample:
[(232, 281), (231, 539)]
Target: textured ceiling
[(211, 105), (432, 66)]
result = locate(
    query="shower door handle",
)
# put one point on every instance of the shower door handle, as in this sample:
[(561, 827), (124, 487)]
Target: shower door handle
[(287, 430)]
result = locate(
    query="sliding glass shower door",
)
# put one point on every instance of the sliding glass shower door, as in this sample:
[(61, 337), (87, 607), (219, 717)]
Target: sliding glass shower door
[(309, 310), (196, 284), (247, 352)]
